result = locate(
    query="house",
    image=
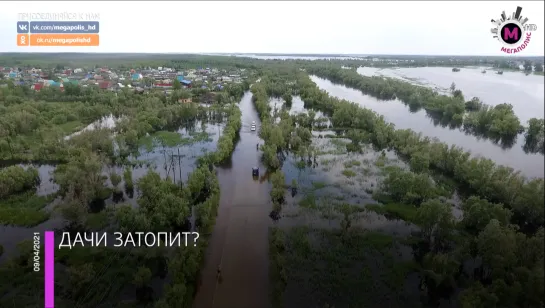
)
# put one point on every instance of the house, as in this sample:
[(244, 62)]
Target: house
[(53, 83), (104, 85), (37, 87), (184, 100), (186, 83), (163, 85)]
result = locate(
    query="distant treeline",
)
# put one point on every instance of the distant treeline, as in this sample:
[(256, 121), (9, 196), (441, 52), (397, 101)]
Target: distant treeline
[(139, 60)]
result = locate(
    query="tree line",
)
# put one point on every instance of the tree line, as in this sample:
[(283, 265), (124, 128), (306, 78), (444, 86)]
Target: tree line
[(502, 225), (498, 123)]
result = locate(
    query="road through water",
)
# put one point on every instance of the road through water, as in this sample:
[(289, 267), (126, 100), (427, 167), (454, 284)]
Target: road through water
[(239, 242)]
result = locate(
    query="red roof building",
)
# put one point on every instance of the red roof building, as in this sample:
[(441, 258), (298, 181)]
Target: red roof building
[(163, 85), (104, 85), (38, 86)]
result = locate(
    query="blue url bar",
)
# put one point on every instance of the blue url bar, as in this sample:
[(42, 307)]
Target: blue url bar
[(58, 27)]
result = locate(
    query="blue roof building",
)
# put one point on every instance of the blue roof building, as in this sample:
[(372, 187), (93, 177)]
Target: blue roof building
[(136, 76), (180, 78), (13, 75), (186, 82)]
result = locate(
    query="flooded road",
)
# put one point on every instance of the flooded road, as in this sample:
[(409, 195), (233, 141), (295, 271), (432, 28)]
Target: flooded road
[(397, 113), (239, 242)]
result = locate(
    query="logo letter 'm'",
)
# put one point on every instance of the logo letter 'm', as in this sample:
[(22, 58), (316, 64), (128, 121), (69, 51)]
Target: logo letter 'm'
[(512, 35)]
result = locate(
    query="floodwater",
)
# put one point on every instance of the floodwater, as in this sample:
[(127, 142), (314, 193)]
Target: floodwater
[(162, 160), (106, 122), (397, 113), (525, 93), (239, 242)]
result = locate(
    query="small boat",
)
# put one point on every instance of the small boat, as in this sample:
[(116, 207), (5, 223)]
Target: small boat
[(253, 126), (484, 72), (499, 72), (255, 171)]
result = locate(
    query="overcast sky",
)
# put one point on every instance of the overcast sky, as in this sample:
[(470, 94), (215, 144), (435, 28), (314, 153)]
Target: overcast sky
[(364, 27)]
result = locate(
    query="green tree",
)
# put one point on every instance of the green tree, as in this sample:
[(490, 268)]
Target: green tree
[(528, 66), (435, 220), (176, 85), (142, 277)]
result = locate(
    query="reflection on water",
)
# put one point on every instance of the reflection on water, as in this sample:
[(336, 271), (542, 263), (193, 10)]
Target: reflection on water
[(106, 122), (239, 240), (525, 93), (174, 162), (397, 113)]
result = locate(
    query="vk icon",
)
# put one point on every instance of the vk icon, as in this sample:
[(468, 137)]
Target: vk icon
[(23, 27)]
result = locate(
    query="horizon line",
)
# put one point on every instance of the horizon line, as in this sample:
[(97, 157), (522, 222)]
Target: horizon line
[(264, 53)]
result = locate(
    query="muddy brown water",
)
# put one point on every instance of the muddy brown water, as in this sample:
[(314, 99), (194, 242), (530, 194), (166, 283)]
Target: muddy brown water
[(239, 242)]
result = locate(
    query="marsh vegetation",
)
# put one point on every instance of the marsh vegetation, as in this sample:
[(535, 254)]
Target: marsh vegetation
[(362, 213)]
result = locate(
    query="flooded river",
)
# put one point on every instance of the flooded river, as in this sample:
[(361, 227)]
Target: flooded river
[(525, 93), (239, 242), (397, 113)]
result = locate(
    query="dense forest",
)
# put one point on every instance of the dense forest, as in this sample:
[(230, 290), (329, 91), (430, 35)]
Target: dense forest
[(472, 231)]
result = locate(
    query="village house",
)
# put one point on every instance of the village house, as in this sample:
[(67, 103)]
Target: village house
[(37, 87), (104, 85), (185, 100)]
